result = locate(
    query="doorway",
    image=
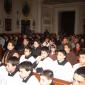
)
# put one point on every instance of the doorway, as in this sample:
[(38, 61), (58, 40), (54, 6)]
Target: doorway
[(66, 22), (25, 26)]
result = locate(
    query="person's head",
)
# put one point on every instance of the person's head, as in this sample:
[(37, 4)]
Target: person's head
[(82, 57), (77, 46), (46, 77), (24, 36), (67, 48), (53, 48), (25, 68), (79, 76), (64, 40), (12, 64), (44, 52), (27, 51), (47, 39), (25, 41), (61, 55), (36, 43), (10, 45)]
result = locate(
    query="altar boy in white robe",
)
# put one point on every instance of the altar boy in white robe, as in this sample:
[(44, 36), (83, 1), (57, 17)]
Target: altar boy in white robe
[(62, 68), (43, 62), (26, 74), (12, 76)]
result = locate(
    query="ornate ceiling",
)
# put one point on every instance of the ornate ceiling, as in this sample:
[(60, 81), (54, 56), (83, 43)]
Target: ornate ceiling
[(61, 1)]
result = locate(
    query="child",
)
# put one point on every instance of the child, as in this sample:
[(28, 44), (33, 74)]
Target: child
[(36, 49), (46, 78), (27, 55), (53, 52), (11, 66), (79, 76), (25, 72), (25, 43), (43, 61), (62, 68), (9, 52), (70, 55), (12, 70)]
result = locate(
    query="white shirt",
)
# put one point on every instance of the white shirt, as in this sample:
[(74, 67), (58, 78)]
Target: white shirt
[(32, 81), (12, 80), (76, 66), (31, 59), (3, 72), (64, 72), (47, 63), (8, 80)]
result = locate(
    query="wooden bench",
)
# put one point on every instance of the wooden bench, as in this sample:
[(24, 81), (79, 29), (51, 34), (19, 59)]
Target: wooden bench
[(56, 81)]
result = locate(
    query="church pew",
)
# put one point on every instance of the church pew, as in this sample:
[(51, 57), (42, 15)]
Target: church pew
[(56, 81)]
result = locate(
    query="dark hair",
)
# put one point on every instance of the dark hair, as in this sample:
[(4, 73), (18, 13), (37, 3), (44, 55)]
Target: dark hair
[(26, 39), (28, 47), (12, 42), (13, 60), (80, 71), (37, 40), (26, 65), (44, 48), (69, 46), (53, 46), (62, 51), (48, 74)]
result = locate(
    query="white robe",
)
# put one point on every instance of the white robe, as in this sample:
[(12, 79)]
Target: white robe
[(31, 59), (64, 72)]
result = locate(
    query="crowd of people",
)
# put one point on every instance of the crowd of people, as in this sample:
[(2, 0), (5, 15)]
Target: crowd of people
[(50, 55)]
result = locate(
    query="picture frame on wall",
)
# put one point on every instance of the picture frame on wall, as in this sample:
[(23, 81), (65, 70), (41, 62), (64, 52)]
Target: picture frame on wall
[(8, 6)]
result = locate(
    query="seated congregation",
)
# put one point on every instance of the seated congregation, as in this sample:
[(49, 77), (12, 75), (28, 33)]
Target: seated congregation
[(40, 60)]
